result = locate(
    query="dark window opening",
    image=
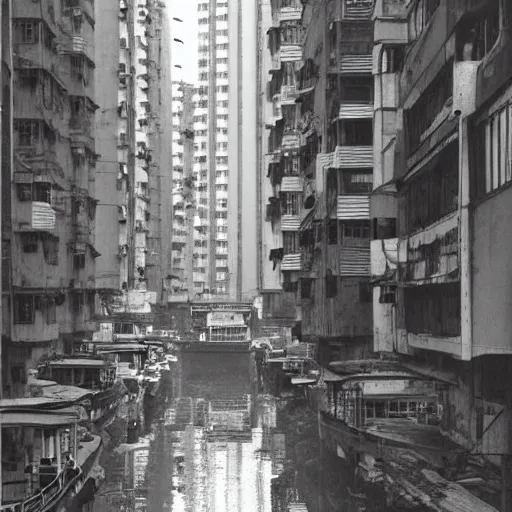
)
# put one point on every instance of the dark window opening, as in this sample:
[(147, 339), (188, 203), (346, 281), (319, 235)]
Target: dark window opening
[(387, 294), (332, 232), (24, 309), (365, 292), (78, 261), (433, 309), (434, 193), (384, 228), (30, 242), (331, 285), (305, 288)]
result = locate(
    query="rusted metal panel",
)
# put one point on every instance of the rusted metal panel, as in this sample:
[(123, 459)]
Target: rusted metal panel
[(291, 53), (358, 9)]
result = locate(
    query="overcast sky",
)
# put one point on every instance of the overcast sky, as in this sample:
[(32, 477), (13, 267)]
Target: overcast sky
[(185, 54)]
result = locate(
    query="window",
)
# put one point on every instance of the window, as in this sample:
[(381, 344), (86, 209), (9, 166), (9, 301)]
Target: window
[(433, 309), (306, 285), (356, 231), (477, 36), (291, 242), (392, 59), (51, 249), (431, 102), (28, 32), (357, 132), (50, 312), (28, 133), (220, 276), (24, 309), (332, 232), (357, 182), (434, 192), (291, 165), (365, 292), (494, 152), (331, 285), (79, 261), (30, 242), (290, 203), (387, 294)]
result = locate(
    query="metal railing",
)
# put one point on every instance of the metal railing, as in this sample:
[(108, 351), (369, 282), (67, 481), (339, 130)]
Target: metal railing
[(58, 487)]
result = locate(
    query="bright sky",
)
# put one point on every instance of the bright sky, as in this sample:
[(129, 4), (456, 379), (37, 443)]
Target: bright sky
[(185, 54)]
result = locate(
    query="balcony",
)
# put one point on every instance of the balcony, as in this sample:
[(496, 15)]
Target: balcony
[(354, 261), (350, 157), (290, 223), (356, 110), (357, 9), (291, 262), (33, 216), (432, 255), (290, 14), (351, 64), (291, 53), (353, 207), (288, 94)]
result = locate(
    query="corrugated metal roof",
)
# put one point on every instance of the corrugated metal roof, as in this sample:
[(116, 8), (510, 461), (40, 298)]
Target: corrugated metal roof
[(354, 261), (292, 184), (43, 216), (356, 64), (356, 111), (291, 53), (291, 262), (353, 207), (290, 223)]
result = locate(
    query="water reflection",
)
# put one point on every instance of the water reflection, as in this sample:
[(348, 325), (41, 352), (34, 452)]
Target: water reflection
[(223, 435)]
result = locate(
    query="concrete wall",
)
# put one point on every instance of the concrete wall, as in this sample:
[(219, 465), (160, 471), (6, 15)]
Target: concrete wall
[(492, 275), (106, 85)]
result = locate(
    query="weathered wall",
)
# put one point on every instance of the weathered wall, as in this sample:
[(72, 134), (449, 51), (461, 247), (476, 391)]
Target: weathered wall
[(492, 275), (106, 86)]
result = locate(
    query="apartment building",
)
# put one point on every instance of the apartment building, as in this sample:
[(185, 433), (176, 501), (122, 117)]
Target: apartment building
[(440, 207), (280, 182), (183, 252), (225, 110), (51, 192), (48, 250), (135, 176), (320, 170)]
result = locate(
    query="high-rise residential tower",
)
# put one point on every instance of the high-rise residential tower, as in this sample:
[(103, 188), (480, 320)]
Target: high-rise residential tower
[(225, 160)]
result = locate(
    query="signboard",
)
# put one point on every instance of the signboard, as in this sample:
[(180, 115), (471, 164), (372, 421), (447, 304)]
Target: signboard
[(224, 319)]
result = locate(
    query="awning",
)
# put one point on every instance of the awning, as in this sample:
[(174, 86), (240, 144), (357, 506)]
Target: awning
[(291, 262), (356, 64), (354, 261), (292, 184), (38, 417), (356, 111), (290, 223), (353, 207), (43, 216)]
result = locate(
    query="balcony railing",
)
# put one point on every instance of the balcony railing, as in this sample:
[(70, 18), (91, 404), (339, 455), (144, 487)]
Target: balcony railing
[(347, 157), (52, 493)]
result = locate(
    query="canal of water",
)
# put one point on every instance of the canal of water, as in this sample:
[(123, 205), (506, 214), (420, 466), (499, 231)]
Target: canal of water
[(223, 435)]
